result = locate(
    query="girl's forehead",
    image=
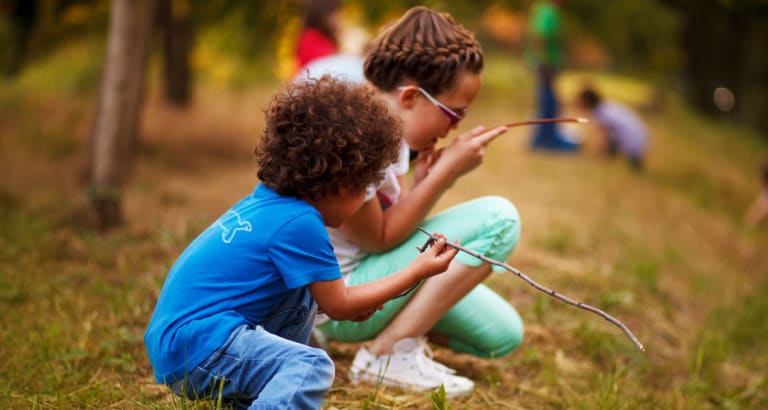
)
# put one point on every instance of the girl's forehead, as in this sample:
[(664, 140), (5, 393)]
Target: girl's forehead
[(464, 91)]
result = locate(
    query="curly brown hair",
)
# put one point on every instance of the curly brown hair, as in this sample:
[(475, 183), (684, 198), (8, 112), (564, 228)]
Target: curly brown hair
[(424, 46), (323, 136)]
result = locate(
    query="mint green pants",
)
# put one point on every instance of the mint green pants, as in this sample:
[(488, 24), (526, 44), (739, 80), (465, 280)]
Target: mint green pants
[(482, 323)]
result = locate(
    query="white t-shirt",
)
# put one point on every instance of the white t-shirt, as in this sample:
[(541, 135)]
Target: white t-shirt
[(348, 253), (348, 67)]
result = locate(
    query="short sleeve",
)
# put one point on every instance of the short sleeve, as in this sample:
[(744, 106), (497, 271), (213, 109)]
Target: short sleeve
[(403, 162), (545, 20), (312, 45), (302, 252)]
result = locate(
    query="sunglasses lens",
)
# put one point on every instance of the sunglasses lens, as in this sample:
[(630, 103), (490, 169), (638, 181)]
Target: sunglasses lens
[(453, 119)]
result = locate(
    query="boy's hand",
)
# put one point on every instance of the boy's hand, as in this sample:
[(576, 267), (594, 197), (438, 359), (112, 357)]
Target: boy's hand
[(365, 315), (436, 259)]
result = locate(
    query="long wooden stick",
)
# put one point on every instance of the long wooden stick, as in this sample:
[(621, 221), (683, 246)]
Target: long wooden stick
[(548, 120), (539, 287)]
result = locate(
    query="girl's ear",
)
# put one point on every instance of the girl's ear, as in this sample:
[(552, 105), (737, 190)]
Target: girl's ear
[(407, 97)]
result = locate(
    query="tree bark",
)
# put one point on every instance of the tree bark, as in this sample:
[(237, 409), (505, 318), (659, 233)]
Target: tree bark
[(21, 17), (175, 23), (116, 125)]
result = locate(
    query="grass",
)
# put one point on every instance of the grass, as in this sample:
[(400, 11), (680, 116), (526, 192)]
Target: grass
[(664, 251)]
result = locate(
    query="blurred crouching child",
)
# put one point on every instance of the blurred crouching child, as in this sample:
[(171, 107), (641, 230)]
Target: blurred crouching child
[(236, 310), (621, 130)]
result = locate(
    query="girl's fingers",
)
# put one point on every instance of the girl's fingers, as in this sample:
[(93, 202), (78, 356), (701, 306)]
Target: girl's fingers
[(476, 131), (489, 136)]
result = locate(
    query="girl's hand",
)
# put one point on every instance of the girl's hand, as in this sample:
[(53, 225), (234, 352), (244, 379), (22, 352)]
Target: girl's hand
[(436, 259), (423, 164), (466, 152)]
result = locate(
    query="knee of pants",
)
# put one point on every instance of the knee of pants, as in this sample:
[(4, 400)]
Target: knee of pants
[(322, 364), (502, 207), (512, 342), (503, 344), (504, 219), (503, 335)]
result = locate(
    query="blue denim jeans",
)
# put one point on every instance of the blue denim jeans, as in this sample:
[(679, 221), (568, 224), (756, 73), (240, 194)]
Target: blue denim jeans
[(547, 136), (266, 366)]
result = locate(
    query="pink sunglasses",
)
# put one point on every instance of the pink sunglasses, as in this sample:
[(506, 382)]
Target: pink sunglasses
[(453, 116)]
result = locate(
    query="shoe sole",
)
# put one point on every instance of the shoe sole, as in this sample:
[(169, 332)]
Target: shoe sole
[(356, 377)]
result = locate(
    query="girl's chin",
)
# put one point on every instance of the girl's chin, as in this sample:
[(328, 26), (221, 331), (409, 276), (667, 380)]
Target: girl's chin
[(426, 147)]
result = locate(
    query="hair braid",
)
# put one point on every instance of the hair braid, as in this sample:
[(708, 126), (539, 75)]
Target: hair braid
[(424, 46)]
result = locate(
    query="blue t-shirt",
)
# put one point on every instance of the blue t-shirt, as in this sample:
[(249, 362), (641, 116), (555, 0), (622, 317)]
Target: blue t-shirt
[(235, 273)]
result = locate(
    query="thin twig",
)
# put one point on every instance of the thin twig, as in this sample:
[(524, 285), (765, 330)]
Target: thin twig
[(541, 288), (547, 120)]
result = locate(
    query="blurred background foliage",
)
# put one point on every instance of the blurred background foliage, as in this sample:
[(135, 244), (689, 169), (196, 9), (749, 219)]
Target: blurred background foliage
[(693, 46)]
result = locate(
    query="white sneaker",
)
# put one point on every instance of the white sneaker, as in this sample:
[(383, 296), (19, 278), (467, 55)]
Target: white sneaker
[(410, 366)]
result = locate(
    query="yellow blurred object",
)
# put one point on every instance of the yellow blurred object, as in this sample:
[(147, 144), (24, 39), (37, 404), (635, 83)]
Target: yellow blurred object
[(286, 49)]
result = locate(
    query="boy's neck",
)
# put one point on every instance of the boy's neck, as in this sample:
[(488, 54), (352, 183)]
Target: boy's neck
[(335, 208)]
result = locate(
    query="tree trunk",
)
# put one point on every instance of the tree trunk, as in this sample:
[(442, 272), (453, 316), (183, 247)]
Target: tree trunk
[(20, 18), (175, 23), (118, 116)]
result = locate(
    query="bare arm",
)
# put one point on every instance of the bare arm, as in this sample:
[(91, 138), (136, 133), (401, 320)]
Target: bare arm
[(358, 302), (376, 230)]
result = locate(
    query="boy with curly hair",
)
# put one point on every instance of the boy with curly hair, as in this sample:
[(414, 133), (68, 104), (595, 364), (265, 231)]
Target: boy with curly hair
[(236, 310)]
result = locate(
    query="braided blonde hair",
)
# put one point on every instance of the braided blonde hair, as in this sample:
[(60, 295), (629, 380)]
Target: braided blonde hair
[(424, 46)]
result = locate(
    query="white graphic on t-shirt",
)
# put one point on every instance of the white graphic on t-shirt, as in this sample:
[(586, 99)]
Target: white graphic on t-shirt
[(230, 223)]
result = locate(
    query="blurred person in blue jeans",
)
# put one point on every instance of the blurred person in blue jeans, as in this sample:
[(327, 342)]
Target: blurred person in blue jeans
[(544, 54), (621, 130), (235, 313)]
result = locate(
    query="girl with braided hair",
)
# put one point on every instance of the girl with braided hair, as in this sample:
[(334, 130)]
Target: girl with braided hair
[(428, 69)]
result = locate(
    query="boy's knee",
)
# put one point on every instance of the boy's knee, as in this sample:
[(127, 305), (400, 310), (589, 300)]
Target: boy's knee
[(323, 365), (307, 375)]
